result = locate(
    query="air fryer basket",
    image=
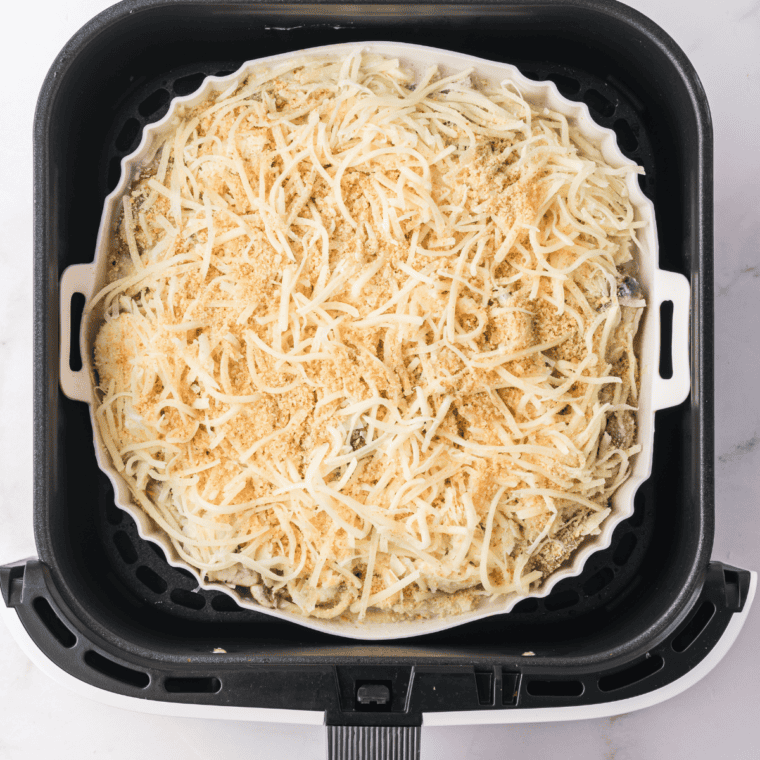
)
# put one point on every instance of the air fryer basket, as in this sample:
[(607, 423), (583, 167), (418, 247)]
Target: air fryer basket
[(104, 605), (658, 285)]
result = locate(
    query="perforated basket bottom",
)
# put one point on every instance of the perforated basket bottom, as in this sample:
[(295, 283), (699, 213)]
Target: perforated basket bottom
[(609, 576)]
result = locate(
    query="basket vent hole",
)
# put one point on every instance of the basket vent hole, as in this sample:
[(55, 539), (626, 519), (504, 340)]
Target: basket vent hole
[(77, 307), (154, 103), (188, 84), (562, 600), (113, 514), (484, 682), (639, 510), (128, 134), (208, 685), (694, 627), (158, 551), (186, 574), (108, 667), (510, 687), (598, 103), (566, 85), (151, 579), (625, 549), (53, 623), (525, 607), (188, 599), (666, 339), (598, 581), (632, 675), (627, 140), (224, 603), (124, 547), (555, 688), (114, 173)]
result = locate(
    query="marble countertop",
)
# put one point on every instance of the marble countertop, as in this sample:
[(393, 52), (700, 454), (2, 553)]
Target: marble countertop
[(716, 718)]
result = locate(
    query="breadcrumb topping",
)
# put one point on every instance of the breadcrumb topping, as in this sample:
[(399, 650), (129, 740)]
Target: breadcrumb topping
[(368, 343)]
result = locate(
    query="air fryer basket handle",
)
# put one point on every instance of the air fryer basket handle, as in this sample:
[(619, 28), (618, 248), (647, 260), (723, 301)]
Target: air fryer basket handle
[(63, 646)]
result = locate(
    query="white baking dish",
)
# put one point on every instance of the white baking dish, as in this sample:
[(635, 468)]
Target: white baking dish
[(659, 286)]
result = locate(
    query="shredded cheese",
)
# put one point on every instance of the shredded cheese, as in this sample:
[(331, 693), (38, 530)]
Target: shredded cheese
[(368, 347)]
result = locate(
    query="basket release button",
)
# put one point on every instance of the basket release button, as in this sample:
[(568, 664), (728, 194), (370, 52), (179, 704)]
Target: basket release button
[(373, 694)]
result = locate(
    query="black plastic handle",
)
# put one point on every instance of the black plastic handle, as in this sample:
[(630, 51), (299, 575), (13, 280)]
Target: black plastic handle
[(387, 696)]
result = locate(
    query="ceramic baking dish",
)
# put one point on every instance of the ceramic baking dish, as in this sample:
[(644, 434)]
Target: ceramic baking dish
[(659, 286)]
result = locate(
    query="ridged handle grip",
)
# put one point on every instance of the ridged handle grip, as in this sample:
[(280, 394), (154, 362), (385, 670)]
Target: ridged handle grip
[(373, 742)]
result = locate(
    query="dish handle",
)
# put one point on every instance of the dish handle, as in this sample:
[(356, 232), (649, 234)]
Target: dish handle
[(77, 278), (674, 287)]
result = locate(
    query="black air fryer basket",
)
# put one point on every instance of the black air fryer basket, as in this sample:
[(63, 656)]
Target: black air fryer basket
[(647, 616)]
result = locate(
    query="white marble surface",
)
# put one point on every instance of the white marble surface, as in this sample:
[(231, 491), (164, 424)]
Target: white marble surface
[(716, 718)]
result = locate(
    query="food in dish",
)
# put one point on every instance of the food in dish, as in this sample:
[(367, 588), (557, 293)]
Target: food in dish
[(368, 339)]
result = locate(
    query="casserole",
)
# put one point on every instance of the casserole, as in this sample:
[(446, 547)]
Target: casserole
[(658, 285)]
